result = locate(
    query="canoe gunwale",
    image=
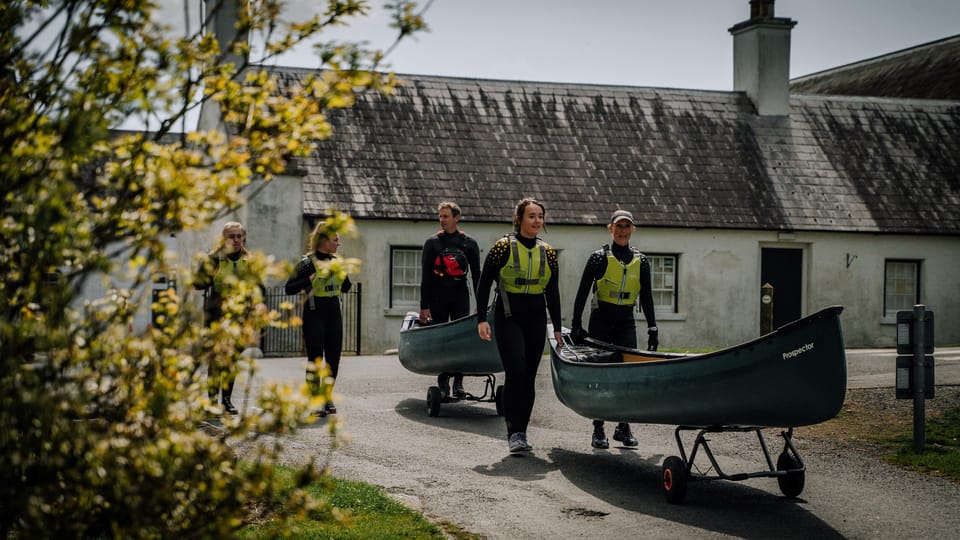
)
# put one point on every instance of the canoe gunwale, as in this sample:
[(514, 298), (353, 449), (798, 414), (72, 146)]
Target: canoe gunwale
[(828, 312), (791, 377), (448, 348)]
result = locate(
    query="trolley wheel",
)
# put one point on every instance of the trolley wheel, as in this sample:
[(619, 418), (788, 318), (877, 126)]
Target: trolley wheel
[(498, 398), (791, 484), (433, 401), (674, 477)]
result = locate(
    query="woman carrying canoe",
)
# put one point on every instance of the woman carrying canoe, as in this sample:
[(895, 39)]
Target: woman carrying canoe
[(619, 276), (527, 273)]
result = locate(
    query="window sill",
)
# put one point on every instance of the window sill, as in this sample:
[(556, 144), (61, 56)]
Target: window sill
[(400, 311), (670, 316)]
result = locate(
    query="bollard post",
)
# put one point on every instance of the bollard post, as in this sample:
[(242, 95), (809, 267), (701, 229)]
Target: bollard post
[(919, 386), (766, 309)]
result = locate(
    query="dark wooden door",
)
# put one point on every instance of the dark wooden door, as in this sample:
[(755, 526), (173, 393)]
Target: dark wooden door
[(783, 268)]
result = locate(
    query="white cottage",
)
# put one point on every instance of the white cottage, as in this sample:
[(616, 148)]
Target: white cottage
[(832, 199)]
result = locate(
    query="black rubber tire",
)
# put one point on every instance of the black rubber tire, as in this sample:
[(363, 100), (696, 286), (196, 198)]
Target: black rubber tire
[(791, 484), (498, 399), (674, 479), (433, 401)]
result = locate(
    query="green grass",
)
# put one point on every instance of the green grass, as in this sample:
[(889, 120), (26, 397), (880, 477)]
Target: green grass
[(941, 453), (366, 510)]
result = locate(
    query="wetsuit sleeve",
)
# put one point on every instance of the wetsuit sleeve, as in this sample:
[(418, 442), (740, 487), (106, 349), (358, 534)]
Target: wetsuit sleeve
[(473, 259), (203, 278), (595, 267), (496, 258), (300, 279), (552, 292), (346, 285), (426, 272), (646, 292)]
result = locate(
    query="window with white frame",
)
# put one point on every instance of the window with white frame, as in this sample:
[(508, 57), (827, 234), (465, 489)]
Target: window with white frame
[(901, 286), (405, 277), (663, 278)]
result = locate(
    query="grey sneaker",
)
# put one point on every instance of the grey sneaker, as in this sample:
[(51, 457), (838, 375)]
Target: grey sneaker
[(518, 442), (624, 435), (526, 445)]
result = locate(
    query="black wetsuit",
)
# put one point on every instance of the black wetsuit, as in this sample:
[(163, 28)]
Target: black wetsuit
[(220, 379), (520, 338), (443, 293), (322, 321), (609, 322)]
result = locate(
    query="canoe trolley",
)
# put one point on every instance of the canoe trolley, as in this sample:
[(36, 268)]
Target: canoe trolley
[(491, 393), (677, 471), (792, 377), (446, 350)]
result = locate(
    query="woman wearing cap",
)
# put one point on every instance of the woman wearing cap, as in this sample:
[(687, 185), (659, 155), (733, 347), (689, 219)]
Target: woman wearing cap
[(527, 274), (619, 276)]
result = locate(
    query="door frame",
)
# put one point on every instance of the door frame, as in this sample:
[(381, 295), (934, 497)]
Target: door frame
[(804, 249)]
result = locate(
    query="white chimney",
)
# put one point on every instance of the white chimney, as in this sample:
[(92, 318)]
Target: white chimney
[(761, 59), (220, 19)]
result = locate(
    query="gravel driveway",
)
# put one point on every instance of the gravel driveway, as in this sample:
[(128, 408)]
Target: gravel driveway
[(456, 468)]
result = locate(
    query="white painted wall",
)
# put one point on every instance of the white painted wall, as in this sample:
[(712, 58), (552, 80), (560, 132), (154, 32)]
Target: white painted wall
[(719, 289), (719, 278)]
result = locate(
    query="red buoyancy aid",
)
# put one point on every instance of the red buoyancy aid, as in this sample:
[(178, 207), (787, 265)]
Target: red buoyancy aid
[(451, 262)]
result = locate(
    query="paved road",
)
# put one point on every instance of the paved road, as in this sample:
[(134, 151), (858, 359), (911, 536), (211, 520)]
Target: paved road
[(456, 468), (874, 368)]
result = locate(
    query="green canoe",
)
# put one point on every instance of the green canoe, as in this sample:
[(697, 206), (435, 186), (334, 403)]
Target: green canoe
[(794, 376), (450, 347)]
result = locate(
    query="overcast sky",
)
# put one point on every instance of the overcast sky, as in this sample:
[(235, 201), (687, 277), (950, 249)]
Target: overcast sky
[(664, 43)]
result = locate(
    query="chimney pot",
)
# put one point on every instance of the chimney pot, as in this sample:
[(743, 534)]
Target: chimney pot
[(761, 9)]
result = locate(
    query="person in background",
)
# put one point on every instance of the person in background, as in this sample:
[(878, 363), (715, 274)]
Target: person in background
[(527, 273), (448, 256), (228, 257), (620, 278), (322, 319)]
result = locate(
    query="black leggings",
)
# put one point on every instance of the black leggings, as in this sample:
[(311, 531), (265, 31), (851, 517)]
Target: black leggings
[(618, 330), (323, 336), (220, 379), (520, 341), (449, 303)]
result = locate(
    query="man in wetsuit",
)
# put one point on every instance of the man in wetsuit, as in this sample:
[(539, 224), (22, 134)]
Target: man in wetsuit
[(448, 256)]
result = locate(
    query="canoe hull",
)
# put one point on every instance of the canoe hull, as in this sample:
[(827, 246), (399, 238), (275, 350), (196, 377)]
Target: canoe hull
[(792, 377), (451, 347)]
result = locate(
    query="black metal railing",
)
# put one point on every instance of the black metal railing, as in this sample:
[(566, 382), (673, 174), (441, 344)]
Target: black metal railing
[(289, 341)]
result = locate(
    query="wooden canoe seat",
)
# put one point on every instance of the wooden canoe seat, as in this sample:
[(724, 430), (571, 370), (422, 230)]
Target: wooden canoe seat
[(628, 357)]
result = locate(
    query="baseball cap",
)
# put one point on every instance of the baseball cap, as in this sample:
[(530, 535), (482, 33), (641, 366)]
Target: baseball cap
[(620, 215)]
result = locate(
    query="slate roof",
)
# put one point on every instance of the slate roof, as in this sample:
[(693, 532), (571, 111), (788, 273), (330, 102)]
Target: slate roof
[(675, 158), (928, 71)]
